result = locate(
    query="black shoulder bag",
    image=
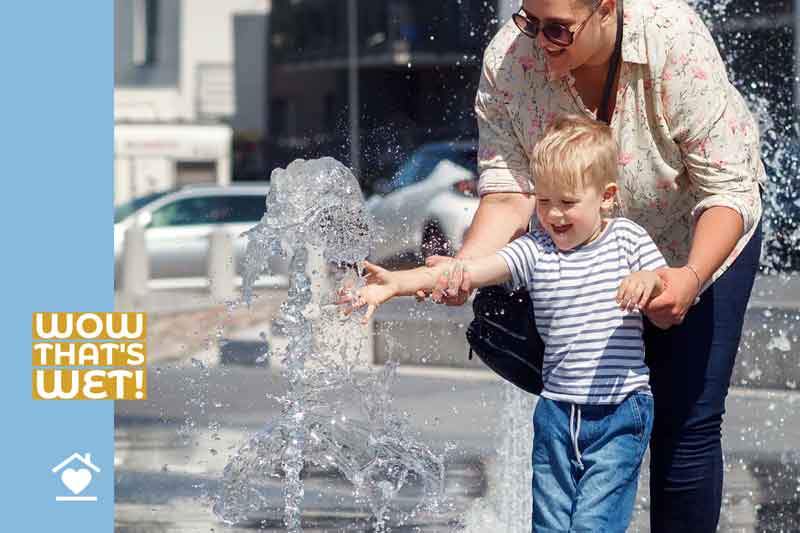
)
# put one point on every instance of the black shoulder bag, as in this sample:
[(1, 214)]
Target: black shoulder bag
[(503, 333)]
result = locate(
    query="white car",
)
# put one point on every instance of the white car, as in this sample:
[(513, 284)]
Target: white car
[(428, 205), (177, 225)]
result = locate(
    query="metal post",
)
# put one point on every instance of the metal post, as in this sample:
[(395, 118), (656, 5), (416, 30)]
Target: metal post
[(352, 87), (265, 126)]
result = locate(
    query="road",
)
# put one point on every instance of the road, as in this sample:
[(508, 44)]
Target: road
[(171, 450)]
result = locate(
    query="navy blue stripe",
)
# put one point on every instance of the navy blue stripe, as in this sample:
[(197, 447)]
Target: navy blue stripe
[(596, 357), (591, 341), (614, 269), (605, 349), (598, 330), (575, 296), (566, 373), (588, 312), (630, 318)]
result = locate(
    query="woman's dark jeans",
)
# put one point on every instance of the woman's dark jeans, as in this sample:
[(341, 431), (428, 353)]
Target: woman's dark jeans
[(690, 370)]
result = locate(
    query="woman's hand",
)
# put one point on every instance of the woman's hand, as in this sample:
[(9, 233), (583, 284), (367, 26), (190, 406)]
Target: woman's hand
[(637, 288), (380, 287), (453, 287), (681, 287)]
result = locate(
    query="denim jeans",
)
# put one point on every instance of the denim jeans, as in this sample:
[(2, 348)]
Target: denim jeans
[(588, 484), (690, 370)]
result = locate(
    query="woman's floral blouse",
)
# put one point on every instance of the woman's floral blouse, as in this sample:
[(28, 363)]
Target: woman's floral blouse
[(687, 140)]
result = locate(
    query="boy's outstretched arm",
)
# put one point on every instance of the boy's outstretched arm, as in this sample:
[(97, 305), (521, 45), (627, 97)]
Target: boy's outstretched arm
[(382, 284)]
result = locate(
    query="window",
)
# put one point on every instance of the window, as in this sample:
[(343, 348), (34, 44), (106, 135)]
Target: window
[(145, 31), (209, 210), (182, 213), (279, 116), (123, 211), (245, 208)]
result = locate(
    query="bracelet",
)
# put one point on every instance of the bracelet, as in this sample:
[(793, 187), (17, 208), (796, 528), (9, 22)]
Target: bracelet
[(696, 275)]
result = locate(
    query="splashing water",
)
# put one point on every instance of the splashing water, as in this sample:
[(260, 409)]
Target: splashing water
[(314, 209)]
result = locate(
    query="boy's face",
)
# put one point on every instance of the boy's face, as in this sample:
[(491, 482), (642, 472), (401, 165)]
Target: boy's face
[(572, 217)]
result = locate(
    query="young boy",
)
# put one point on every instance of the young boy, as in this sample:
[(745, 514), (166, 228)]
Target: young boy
[(587, 276)]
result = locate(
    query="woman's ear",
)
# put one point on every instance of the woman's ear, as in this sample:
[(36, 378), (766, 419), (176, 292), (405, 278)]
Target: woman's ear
[(608, 7), (609, 193)]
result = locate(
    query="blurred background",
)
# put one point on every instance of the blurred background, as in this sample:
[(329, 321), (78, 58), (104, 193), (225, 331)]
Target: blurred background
[(210, 97), (214, 92)]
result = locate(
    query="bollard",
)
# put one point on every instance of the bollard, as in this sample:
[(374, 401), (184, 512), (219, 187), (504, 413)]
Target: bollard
[(322, 283), (221, 269), (135, 267)]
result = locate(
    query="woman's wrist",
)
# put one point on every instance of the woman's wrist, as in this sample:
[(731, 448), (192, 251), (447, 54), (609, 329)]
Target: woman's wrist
[(693, 270)]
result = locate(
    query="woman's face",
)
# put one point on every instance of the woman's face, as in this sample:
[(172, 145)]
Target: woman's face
[(571, 13)]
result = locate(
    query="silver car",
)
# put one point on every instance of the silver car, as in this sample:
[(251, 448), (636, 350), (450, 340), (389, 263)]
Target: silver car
[(428, 205), (177, 225)]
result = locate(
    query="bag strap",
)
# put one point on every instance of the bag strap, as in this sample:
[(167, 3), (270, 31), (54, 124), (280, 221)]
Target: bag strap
[(602, 111)]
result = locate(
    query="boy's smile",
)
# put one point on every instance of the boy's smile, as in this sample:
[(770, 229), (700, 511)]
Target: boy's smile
[(572, 217)]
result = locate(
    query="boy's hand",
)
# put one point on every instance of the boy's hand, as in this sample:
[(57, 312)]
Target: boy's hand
[(380, 287), (680, 291), (454, 286), (637, 289)]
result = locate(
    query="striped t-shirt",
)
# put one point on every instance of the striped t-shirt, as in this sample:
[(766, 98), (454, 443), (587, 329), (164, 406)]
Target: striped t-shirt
[(594, 353)]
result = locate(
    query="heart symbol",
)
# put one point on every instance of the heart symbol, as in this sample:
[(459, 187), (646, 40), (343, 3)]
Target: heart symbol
[(76, 480)]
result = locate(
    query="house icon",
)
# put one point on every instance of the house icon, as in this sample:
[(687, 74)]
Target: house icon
[(76, 480)]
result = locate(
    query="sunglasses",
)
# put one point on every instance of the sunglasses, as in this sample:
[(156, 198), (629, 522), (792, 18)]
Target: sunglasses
[(555, 32)]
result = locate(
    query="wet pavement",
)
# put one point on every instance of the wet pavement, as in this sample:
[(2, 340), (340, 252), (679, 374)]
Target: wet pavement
[(171, 449)]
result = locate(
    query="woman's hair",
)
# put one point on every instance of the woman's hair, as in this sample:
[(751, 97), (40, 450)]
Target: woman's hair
[(576, 150)]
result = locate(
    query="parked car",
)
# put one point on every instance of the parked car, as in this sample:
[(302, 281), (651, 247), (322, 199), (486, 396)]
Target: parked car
[(428, 205), (177, 225)]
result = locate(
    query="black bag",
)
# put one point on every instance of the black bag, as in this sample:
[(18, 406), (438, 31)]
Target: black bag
[(503, 334)]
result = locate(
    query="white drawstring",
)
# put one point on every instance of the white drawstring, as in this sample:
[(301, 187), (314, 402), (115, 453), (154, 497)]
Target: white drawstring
[(573, 433)]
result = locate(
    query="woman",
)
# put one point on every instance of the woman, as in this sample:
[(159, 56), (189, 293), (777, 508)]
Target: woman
[(690, 171)]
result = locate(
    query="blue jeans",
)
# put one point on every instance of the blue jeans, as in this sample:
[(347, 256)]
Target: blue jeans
[(690, 370), (592, 489)]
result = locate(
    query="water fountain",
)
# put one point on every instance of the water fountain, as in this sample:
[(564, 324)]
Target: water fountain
[(315, 211)]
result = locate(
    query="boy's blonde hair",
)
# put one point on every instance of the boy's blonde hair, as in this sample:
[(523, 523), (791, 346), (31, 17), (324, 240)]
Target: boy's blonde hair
[(576, 150)]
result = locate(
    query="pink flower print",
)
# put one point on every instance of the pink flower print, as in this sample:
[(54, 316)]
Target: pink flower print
[(698, 146), (666, 76), (625, 158), (666, 185), (700, 74), (486, 153), (744, 127), (549, 117), (527, 62), (536, 124)]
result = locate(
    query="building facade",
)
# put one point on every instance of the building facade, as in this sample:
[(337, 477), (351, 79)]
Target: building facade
[(409, 68), (417, 64), (174, 97)]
